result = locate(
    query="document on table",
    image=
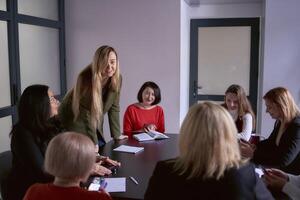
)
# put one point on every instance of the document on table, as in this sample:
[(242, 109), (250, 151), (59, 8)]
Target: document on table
[(129, 149), (115, 184), (111, 185)]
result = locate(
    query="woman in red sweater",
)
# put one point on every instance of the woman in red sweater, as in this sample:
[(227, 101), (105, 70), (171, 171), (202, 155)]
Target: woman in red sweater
[(146, 114), (69, 157)]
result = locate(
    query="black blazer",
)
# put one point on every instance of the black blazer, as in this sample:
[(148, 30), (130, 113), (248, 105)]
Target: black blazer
[(27, 163), (286, 155), (242, 183)]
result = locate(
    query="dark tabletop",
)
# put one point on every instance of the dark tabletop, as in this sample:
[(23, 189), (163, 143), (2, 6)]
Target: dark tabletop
[(139, 165)]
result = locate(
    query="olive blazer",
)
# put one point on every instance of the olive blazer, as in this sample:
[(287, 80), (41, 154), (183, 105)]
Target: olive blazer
[(82, 124)]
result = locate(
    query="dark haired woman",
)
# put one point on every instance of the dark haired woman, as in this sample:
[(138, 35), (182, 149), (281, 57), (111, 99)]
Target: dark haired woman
[(145, 115), (29, 139)]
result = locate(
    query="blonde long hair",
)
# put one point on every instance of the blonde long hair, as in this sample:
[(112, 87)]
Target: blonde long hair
[(89, 84), (285, 101), (208, 145)]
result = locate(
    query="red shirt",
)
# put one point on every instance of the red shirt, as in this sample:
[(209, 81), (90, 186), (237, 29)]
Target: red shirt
[(135, 118), (52, 192)]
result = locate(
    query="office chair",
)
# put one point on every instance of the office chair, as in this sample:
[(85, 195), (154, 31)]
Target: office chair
[(5, 166)]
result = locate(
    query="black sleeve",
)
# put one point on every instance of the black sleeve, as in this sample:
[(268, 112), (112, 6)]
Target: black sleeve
[(283, 154), (30, 153), (156, 188)]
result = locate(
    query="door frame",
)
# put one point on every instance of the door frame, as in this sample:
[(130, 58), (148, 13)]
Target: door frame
[(254, 23)]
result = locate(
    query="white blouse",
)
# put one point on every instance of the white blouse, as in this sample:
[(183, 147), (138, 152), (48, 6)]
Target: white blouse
[(292, 187), (247, 127)]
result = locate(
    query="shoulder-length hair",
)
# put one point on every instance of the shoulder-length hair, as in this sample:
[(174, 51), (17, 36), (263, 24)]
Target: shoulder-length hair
[(34, 111), (207, 143), (89, 84), (244, 106), (70, 155), (155, 88), (285, 101)]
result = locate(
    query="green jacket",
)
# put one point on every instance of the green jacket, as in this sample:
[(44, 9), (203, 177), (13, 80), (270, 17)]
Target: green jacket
[(82, 125)]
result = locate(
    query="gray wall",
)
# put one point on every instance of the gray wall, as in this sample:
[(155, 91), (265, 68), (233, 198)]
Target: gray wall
[(205, 11), (146, 35), (281, 52), (152, 39)]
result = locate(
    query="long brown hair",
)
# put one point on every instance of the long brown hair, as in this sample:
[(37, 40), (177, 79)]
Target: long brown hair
[(89, 84), (244, 105)]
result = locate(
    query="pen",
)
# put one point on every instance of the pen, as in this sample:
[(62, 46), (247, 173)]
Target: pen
[(133, 179), (103, 185)]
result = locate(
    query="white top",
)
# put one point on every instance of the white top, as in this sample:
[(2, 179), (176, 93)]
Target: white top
[(292, 187), (247, 127)]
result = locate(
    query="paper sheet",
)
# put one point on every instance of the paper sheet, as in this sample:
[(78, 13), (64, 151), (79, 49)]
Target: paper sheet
[(129, 149), (115, 184)]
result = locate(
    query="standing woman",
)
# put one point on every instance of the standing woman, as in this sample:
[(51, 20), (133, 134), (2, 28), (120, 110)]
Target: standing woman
[(282, 148), (145, 115), (238, 105), (29, 138), (97, 91)]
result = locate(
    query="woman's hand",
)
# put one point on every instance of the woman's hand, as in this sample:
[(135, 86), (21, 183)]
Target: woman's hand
[(275, 179), (109, 161), (247, 149), (149, 127), (121, 137), (100, 170)]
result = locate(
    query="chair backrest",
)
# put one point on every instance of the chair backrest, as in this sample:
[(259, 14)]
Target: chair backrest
[(5, 165)]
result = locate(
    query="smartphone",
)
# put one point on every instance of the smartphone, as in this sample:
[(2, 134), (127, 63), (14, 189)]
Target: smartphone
[(111, 167)]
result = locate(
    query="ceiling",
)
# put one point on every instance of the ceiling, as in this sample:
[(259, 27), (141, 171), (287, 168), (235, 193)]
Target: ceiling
[(199, 2)]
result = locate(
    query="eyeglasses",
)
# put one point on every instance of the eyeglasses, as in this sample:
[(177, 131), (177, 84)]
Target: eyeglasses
[(53, 100)]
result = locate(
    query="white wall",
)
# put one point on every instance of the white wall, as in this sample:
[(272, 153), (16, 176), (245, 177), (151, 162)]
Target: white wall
[(152, 39), (281, 51), (205, 11), (184, 58), (146, 35)]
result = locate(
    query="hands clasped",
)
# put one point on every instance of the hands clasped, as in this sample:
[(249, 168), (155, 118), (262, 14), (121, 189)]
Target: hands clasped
[(149, 127), (247, 149), (100, 169)]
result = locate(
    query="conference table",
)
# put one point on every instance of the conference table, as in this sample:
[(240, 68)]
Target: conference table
[(139, 165)]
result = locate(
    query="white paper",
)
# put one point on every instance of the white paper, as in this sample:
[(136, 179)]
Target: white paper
[(94, 187), (115, 184), (129, 149), (259, 171), (143, 137), (151, 135)]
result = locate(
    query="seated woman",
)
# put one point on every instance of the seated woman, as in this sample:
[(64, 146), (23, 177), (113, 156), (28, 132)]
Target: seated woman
[(277, 180), (282, 148), (29, 139), (69, 157), (238, 105), (145, 115), (37, 125), (209, 165)]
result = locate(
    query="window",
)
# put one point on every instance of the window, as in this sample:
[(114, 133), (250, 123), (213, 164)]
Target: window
[(32, 51)]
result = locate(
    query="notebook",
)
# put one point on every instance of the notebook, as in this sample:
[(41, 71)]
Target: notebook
[(151, 135), (129, 149)]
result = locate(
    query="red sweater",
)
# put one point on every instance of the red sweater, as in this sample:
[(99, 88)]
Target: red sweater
[(135, 118), (51, 192)]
